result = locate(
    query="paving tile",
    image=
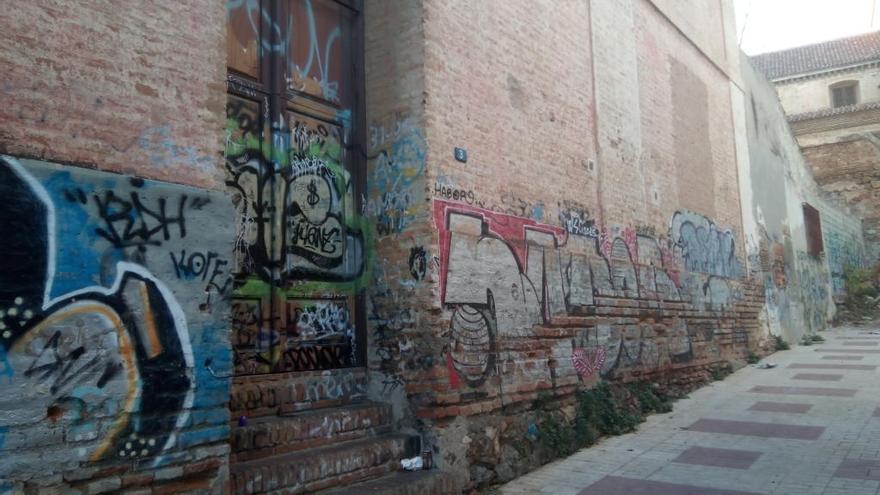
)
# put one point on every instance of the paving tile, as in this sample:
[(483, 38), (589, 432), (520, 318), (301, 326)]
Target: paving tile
[(856, 351), (781, 407), (616, 485), (822, 366), (859, 469), (820, 391), (826, 441), (756, 429), (727, 458), (819, 377)]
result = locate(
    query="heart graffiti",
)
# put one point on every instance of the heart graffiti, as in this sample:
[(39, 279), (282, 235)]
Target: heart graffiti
[(586, 362)]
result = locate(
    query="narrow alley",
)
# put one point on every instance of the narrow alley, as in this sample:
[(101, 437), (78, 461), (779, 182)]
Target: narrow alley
[(810, 425), (430, 247)]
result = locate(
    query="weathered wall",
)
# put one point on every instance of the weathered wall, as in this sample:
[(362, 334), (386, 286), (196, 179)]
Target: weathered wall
[(845, 245), (833, 126), (113, 299), (657, 136), (128, 86), (841, 147), (799, 288), (708, 25), (849, 170), (306, 244), (399, 297), (594, 231), (810, 94), (114, 286)]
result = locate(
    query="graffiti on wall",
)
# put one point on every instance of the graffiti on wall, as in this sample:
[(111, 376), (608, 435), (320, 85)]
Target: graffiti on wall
[(298, 230), (500, 275), (703, 247), (250, 334), (320, 334), (507, 203), (94, 342), (396, 201), (310, 38), (813, 282), (777, 265), (399, 164), (844, 252), (391, 347), (397, 345), (576, 220), (605, 349), (302, 190), (418, 263), (206, 266), (587, 357)]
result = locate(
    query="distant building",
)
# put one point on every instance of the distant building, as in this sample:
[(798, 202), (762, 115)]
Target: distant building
[(831, 94)]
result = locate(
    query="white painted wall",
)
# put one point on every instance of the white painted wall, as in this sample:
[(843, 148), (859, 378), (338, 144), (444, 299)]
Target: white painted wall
[(773, 187), (814, 94)]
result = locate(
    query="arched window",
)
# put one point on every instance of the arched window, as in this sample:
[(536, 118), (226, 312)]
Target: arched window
[(844, 93)]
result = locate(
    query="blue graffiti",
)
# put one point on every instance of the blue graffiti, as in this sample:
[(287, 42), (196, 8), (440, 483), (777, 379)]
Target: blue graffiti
[(5, 365), (163, 151), (538, 212), (704, 247), (278, 40), (393, 181), (330, 89)]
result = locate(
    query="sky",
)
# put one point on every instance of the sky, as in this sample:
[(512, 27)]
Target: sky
[(771, 25)]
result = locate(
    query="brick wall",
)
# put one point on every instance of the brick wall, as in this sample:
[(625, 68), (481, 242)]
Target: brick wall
[(850, 171), (594, 233), (835, 127), (122, 86), (566, 247), (113, 294), (399, 295)]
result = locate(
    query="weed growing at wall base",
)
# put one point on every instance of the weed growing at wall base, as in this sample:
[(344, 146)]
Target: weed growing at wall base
[(601, 411), (812, 339), (780, 344), (862, 301), (719, 373)]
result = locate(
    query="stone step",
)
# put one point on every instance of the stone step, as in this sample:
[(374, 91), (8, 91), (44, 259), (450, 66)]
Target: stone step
[(280, 393), (431, 482), (275, 435), (322, 468)]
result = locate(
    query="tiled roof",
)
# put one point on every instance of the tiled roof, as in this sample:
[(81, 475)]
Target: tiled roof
[(830, 112), (820, 56)]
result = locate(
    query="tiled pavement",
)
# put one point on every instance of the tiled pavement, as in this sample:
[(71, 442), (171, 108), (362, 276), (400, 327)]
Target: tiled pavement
[(809, 426)]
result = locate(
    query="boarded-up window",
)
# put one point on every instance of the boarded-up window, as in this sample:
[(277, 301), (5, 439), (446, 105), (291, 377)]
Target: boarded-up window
[(691, 139), (813, 227), (243, 21), (317, 58)]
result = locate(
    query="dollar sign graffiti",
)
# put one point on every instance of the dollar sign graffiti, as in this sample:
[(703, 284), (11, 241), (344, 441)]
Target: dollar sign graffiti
[(313, 197)]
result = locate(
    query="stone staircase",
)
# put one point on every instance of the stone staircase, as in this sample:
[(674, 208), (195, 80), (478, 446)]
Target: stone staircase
[(345, 446)]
